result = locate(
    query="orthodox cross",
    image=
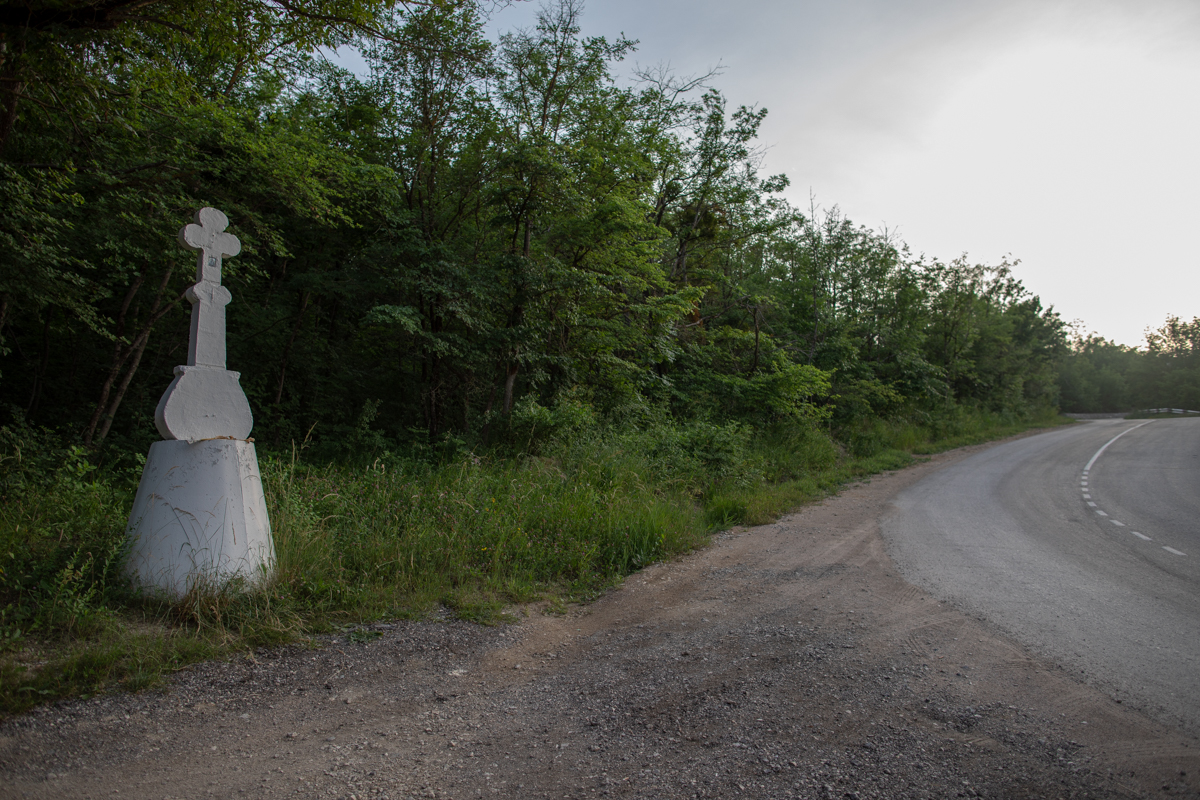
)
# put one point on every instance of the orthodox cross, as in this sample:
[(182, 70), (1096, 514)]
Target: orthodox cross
[(205, 400), (206, 345)]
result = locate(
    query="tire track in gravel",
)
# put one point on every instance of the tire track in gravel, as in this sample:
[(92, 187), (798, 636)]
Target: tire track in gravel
[(788, 660)]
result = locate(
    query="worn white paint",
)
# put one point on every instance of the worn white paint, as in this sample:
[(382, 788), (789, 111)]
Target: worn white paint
[(205, 400), (203, 403), (200, 518), (206, 346), (207, 236)]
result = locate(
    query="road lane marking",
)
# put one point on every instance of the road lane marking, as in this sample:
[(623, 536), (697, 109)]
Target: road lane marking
[(1110, 441), (1083, 481), (1142, 536), (1173, 550)]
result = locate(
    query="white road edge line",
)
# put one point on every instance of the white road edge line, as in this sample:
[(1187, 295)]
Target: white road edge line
[(1173, 550), (1110, 441)]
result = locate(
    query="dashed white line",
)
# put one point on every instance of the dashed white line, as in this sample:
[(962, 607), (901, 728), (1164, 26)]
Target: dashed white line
[(1083, 485), (1110, 441)]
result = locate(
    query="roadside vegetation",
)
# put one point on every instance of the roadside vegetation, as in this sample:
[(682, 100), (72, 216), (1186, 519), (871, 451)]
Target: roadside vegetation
[(514, 318), (1101, 376), (395, 538)]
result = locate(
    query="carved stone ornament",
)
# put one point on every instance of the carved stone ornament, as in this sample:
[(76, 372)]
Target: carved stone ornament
[(200, 519), (205, 401)]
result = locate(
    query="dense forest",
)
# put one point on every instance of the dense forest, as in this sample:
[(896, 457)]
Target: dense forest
[(1099, 375), (514, 319), (480, 238)]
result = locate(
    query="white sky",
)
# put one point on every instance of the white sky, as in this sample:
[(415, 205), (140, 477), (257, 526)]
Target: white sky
[(1064, 133)]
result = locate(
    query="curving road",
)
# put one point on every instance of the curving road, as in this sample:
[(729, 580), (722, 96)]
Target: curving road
[(1083, 543)]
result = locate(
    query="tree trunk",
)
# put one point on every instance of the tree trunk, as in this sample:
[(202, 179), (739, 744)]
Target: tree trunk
[(466, 405), (120, 354), (4, 301), (12, 87), (431, 410), (107, 408), (509, 380), (754, 368), (39, 377), (120, 395), (288, 348)]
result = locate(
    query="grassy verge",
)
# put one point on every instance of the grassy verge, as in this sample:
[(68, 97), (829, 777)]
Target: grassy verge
[(399, 538)]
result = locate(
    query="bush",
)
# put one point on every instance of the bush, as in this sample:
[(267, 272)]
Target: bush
[(585, 505), (62, 534)]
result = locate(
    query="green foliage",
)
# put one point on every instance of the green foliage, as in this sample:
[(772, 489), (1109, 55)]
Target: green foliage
[(468, 234), (580, 516), (61, 537), (397, 537), (533, 327), (1100, 376)]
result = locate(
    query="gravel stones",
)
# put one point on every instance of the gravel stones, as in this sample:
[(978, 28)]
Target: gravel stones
[(787, 661)]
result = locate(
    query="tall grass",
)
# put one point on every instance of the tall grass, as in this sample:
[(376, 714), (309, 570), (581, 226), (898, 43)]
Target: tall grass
[(955, 426), (399, 536), (396, 536)]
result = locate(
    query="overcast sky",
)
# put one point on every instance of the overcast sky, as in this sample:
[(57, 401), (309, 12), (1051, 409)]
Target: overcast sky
[(1065, 134), (1061, 133)]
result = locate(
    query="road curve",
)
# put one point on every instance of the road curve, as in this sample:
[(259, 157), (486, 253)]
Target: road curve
[(1097, 568)]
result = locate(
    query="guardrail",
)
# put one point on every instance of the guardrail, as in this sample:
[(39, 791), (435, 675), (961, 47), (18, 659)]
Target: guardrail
[(1167, 411), (1124, 414)]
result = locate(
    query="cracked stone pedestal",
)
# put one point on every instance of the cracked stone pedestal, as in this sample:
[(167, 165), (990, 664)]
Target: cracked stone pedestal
[(200, 517)]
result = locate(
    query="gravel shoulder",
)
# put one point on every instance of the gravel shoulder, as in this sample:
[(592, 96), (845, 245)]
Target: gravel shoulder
[(787, 660)]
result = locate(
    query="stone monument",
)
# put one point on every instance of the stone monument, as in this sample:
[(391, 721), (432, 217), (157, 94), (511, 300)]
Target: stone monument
[(200, 517)]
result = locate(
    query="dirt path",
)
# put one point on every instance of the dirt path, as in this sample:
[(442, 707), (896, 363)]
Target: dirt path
[(788, 660)]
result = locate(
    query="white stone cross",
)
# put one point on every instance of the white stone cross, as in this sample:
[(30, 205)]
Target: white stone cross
[(206, 344), (200, 517), (205, 400)]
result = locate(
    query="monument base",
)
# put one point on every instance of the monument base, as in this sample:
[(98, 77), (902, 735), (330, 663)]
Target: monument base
[(200, 518)]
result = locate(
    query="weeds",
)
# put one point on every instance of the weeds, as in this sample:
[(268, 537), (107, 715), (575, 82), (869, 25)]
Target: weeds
[(399, 537)]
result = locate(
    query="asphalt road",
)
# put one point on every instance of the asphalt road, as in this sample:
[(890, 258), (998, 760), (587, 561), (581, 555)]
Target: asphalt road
[(1097, 568)]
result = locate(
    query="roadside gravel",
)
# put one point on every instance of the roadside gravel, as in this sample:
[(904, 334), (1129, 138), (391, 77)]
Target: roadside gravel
[(784, 661)]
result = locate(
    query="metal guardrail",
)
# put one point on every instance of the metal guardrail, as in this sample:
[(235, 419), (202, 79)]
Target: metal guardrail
[(1124, 414)]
